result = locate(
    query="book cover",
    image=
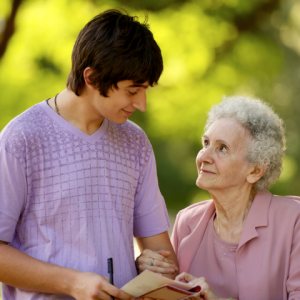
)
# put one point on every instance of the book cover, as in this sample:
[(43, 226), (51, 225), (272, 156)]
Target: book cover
[(158, 287)]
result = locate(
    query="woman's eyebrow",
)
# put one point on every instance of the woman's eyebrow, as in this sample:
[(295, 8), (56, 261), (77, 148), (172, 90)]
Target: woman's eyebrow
[(222, 142), (218, 141)]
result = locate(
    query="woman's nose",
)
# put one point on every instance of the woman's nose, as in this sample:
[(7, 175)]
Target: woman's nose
[(205, 155)]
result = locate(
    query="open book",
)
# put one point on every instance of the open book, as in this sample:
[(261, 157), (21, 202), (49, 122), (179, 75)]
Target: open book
[(151, 285)]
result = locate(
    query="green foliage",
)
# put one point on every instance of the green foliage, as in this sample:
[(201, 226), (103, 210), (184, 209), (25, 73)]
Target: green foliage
[(211, 48)]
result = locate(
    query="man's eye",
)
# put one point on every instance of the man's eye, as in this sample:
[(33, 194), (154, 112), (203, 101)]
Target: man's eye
[(223, 148), (205, 143), (133, 93)]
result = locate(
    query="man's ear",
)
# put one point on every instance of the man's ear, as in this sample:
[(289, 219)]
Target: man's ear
[(88, 77), (256, 173)]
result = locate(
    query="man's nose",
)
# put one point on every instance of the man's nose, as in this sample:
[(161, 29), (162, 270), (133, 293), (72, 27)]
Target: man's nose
[(140, 102)]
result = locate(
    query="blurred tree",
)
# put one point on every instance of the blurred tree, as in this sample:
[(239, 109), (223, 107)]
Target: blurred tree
[(9, 27), (208, 53), (149, 5), (210, 48)]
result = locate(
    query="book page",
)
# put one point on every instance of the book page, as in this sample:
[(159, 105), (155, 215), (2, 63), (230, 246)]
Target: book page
[(148, 281)]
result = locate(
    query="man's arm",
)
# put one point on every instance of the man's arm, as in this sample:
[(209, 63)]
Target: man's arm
[(23, 271), (157, 249)]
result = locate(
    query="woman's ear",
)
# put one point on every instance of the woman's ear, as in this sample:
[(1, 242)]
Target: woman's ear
[(88, 78), (256, 173)]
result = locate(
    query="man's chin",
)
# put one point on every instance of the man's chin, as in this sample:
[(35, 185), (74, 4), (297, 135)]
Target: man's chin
[(119, 122)]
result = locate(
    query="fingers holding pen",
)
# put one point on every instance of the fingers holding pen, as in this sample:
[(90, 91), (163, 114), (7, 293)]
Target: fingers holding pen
[(90, 286)]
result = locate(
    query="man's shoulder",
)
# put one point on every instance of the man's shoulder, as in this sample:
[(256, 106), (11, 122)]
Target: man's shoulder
[(22, 127), (131, 128), (130, 135)]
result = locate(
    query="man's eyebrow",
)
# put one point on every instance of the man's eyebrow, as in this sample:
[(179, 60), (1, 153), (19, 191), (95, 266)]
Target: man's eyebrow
[(138, 85)]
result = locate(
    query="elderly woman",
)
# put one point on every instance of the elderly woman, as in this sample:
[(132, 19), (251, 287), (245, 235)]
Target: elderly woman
[(244, 243)]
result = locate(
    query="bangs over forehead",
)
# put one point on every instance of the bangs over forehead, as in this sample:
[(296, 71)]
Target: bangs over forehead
[(117, 47)]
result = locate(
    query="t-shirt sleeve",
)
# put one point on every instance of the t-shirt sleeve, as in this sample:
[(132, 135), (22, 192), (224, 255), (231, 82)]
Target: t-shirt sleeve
[(13, 191), (150, 212)]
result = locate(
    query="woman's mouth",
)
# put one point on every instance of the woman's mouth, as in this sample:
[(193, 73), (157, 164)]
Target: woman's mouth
[(206, 171)]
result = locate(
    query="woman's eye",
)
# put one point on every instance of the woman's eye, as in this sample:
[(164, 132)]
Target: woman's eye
[(223, 149), (133, 93), (205, 143)]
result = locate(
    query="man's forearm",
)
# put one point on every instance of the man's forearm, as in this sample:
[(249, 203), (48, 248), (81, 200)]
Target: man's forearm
[(21, 270)]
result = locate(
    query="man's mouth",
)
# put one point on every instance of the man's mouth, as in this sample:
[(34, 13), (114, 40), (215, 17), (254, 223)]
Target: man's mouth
[(127, 113)]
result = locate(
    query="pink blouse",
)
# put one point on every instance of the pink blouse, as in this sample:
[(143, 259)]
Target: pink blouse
[(219, 266), (268, 254)]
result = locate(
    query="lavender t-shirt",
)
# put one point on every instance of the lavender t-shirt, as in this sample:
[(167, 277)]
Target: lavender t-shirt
[(73, 199)]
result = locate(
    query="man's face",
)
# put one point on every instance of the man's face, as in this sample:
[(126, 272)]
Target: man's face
[(121, 102)]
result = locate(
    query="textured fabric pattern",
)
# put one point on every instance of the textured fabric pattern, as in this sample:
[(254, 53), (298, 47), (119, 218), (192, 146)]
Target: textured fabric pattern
[(84, 196)]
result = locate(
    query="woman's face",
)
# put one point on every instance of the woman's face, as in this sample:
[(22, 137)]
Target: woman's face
[(221, 163)]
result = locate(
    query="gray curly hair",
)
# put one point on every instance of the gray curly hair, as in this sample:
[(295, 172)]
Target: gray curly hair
[(267, 144)]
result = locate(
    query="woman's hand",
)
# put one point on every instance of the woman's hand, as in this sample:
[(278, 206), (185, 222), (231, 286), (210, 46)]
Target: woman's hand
[(206, 293), (155, 261)]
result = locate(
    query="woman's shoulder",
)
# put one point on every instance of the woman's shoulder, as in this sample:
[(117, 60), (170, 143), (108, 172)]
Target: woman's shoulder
[(191, 219), (274, 205), (286, 202), (195, 211)]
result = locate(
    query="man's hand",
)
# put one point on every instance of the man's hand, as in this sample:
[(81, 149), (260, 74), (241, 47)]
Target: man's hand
[(92, 286), (155, 261), (23, 271)]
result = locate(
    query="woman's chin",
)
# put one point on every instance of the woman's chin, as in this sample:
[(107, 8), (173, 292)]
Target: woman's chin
[(200, 184)]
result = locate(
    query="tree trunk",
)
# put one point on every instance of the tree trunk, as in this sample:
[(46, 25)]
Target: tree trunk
[(9, 28)]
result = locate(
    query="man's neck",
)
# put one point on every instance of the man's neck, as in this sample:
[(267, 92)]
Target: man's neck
[(77, 110)]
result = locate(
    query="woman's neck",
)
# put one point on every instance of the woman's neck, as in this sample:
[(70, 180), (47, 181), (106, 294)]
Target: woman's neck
[(231, 212)]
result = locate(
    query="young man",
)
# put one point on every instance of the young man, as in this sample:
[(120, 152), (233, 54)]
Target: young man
[(78, 180)]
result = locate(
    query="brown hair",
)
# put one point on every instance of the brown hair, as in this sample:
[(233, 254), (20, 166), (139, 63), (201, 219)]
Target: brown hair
[(117, 47)]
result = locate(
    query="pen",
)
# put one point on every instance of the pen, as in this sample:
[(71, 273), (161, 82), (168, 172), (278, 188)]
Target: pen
[(111, 273)]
